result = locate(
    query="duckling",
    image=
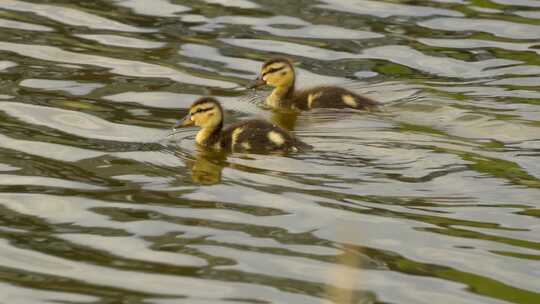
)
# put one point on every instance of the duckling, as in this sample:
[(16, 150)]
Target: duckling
[(279, 73), (256, 136)]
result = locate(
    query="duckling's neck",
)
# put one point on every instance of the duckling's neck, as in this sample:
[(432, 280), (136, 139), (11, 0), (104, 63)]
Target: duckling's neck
[(209, 136), (279, 96)]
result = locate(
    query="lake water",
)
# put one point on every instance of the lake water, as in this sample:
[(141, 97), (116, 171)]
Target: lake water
[(432, 199)]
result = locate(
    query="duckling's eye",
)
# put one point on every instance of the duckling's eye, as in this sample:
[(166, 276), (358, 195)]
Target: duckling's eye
[(200, 110), (274, 70)]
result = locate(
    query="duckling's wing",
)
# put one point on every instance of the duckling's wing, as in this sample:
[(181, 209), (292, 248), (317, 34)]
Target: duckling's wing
[(331, 97), (259, 136)]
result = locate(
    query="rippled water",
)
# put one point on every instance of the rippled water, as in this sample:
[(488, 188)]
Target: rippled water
[(433, 199)]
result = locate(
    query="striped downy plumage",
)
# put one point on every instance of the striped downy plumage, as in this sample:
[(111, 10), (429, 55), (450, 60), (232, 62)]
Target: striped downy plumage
[(280, 74), (256, 136)]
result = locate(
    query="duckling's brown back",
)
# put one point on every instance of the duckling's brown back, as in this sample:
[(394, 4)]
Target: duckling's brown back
[(258, 136), (331, 97)]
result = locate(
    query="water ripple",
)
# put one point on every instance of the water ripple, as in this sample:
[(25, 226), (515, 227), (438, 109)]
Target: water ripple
[(498, 28), (119, 66), (23, 25), (79, 124), (160, 8), (70, 16), (385, 9)]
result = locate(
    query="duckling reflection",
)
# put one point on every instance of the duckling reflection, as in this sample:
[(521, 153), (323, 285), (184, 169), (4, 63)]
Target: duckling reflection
[(207, 167), (253, 136), (284, 119), (280, 74)]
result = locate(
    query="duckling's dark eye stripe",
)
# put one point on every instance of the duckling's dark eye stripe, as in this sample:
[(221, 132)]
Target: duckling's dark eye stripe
[(273, 70), (200, 110)]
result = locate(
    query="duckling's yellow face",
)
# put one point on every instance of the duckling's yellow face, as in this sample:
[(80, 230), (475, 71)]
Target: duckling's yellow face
[(205, 115), (278, 74)]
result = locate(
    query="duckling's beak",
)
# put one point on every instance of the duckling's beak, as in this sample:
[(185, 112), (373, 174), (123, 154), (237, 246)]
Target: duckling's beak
[(184, 122), (259, 82)]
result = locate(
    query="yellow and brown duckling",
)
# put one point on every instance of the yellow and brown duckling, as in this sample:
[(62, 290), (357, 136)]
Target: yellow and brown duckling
[(279, 73), (256, 136)]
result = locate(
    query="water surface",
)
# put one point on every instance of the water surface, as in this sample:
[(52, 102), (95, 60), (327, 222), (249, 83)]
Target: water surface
[(432, 199)]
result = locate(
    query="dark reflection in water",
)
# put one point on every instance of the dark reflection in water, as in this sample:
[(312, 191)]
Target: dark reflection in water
[(284, 119), (434, 198), (207, 166)]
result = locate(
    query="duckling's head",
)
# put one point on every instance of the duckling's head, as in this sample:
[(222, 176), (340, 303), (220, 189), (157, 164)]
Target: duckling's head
[(205, 112), (276, 72)]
